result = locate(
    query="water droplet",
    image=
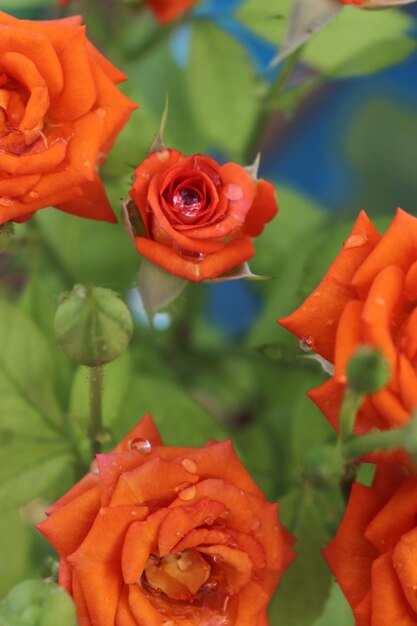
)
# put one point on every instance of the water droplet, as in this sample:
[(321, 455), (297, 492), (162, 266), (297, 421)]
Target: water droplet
[(209, 521), (355, 241), (101, 112), (306, 343), (87, 163), (256, 524), (184, 562), (190, 466), (6, 201), (163, 155), (217, 558), (415, 587), (188, 493), (187, 201), (233, 192), (225, 514), (94, 470), (141, 445), (34, 194), (210, 585), (232, 544)]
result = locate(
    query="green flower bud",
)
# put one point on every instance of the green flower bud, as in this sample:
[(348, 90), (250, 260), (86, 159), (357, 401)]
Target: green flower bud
[(324, 467), (6, 235), (93, 326), (368, 371)]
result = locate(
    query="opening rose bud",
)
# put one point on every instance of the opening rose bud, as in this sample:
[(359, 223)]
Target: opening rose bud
[(168, 536), (198, 217)]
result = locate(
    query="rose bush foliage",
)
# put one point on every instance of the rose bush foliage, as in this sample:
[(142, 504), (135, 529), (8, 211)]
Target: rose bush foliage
[(60, 112), (199, 218), (159, 535), (373, 555), (368, 296)]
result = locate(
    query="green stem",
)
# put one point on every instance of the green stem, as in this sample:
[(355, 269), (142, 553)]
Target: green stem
[(264, 110), (96, 395), (351, 404), (359, 445)]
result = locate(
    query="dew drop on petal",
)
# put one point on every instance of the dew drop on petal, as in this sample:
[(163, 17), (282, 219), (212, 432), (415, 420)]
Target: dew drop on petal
[(355, 241), (188, 493), (209, 521), (190, 466), (6, 201), (87, 163), (187, 201), (233, 192), (141, 445), (256, 524), (232, 544), (306, 343), (34, 194), (217, 558)]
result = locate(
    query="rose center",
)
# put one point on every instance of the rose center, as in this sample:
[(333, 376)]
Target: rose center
[(187, 201), (179, 575)]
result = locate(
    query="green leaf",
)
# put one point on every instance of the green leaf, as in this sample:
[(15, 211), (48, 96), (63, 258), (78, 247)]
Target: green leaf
[(34, 448), (37, 603), (14, 549), (337, 611), (304, 589), (355, 34), (265, 17), (221, 88)]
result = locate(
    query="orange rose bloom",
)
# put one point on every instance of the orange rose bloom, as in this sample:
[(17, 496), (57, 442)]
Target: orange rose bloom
[(162, 536), (60, 112), (199, 217), (368, 296), (374, 553)]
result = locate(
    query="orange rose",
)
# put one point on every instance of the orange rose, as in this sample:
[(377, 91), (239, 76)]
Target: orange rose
[(199, 217), (374, 553), (60, 112), (368, 296), (160, 536)]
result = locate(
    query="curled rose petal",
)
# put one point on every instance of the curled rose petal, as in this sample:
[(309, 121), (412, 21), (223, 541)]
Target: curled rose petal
[(168, 536)]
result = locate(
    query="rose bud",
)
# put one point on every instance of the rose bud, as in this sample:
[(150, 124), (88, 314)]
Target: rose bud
[(93, 326), (60, 112), (198, 217), (373, 555), (367, 296), (165, 536)]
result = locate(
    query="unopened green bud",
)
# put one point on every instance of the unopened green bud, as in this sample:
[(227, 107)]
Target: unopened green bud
[(6, 235), (324, 467), (368, 370), (93, 326)]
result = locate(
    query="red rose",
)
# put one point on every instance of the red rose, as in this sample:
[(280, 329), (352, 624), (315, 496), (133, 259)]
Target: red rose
[(60, 112), (199, 217), (162, 536), (368, 296), (374, 553)]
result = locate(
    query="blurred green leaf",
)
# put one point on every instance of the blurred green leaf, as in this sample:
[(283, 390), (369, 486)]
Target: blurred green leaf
[(304, 589), (221, 88), (14, 549), (337, 611), (354, 42), (34, 449), (37, 603), (267, 18)]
